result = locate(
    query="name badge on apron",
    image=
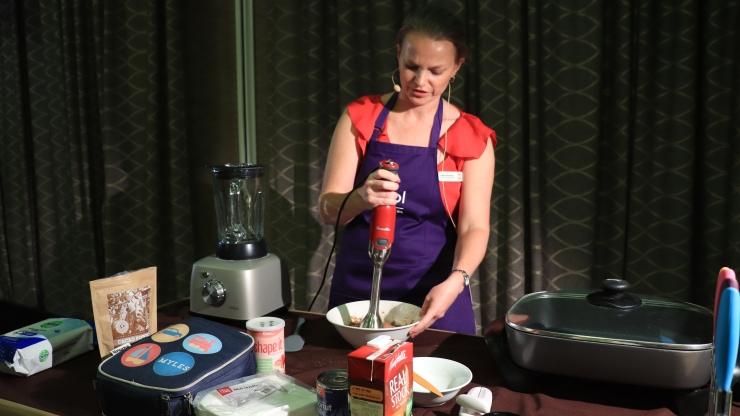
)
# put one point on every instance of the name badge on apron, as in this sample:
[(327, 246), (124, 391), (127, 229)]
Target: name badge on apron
[(450, 176)]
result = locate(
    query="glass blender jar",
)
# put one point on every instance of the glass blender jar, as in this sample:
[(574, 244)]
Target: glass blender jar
[(240, 206)]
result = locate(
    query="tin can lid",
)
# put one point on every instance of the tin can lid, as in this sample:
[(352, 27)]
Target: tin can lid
[(334, 379), (265, 323)]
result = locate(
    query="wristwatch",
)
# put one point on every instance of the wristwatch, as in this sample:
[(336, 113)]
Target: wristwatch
[(465, 275)]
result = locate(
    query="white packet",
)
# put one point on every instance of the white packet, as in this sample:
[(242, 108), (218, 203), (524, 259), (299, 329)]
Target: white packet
[(40, 346), (267, 394)]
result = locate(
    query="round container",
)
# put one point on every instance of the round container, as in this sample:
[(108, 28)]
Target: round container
[(331, 391), (269, 343)]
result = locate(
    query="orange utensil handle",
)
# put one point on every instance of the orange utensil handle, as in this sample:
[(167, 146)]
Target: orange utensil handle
[(426, 384)]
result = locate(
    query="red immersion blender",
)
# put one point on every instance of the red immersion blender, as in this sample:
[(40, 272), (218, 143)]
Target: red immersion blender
[(382, 228)]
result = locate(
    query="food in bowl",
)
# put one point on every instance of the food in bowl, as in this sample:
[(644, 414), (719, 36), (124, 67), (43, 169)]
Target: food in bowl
[(391, 312), (357, 320)]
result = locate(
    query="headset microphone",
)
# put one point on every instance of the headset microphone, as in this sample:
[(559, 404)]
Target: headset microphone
[(396, 87)]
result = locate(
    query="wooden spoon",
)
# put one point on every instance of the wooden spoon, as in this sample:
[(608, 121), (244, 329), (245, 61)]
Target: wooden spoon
[(426, 384)]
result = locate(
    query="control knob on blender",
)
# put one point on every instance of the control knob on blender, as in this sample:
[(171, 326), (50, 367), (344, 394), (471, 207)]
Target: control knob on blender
[(214, 293)]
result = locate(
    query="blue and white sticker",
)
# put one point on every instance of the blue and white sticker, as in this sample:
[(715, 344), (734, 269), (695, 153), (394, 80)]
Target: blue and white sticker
[(202, 344), (174, 364)]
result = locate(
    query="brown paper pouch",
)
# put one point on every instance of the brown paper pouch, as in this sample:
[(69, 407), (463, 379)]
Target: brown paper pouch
[(124, 308)]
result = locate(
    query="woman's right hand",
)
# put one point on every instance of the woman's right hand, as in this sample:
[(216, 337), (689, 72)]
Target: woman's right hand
[(379, 188), (344, 158)]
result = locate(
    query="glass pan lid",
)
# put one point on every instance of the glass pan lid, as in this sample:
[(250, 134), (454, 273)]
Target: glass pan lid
[(656, 322)]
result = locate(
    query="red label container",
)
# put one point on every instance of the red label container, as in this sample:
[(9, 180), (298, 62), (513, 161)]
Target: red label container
[(269, 343)]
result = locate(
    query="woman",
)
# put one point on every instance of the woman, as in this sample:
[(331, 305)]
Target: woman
[(442, 190)]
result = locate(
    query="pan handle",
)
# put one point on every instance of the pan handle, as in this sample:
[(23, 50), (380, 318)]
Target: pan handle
[(614, 295)]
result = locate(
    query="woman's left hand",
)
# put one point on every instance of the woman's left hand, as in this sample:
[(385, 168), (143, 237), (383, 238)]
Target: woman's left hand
[(436, 303)]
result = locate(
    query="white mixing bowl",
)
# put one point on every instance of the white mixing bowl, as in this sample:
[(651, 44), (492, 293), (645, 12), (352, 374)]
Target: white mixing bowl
[(447, 376), (392, 312)]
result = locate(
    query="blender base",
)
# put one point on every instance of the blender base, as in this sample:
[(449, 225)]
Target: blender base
[(236, 289)]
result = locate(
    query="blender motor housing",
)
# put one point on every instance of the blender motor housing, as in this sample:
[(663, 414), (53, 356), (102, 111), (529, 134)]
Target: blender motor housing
[(236, 289)]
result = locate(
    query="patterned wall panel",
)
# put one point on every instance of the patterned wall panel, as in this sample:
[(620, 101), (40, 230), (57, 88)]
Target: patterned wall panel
[(66, 249), (499, 77), (296, 114), (661, 179), (563, 70), (288, 128), (717, 225), (92, 179), (603, 147), (147, 204), (614, 141), (618, 143), (18, 274)]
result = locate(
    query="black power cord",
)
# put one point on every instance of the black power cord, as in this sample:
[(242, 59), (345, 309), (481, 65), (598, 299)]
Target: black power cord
[(333, 245)]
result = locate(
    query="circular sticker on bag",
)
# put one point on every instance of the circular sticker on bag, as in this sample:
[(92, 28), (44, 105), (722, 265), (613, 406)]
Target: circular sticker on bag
[(202, 344), (141, 354), (174, 364), (171, 333)]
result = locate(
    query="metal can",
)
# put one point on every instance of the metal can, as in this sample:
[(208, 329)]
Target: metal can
[(331, 390), (269, 343)]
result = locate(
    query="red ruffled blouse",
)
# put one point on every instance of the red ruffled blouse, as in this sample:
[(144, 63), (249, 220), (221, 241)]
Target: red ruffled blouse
[(466, 139)]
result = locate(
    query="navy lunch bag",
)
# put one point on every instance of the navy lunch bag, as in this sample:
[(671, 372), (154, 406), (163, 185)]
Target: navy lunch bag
[(159, 375)]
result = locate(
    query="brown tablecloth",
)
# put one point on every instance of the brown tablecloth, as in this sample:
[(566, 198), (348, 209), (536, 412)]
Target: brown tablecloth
[(67, 388)]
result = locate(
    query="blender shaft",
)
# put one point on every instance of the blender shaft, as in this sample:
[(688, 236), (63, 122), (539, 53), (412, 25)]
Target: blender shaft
[(372, 318)]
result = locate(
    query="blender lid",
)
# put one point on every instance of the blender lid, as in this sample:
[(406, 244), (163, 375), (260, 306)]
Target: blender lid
[(237, 171), (645, 321)]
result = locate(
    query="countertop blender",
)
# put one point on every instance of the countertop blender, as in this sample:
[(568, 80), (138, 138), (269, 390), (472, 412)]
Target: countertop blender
[(242, 280)]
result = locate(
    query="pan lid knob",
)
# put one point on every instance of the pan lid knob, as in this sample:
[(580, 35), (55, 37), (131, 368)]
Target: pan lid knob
[(614, 295)]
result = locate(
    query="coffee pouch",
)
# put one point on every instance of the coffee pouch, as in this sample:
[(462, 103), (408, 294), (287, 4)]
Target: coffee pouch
[(124, 308)]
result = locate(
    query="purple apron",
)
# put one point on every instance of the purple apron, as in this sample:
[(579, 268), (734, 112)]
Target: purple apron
[(422, 253)]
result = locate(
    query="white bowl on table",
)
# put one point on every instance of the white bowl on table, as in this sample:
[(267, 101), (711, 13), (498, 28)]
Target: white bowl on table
[(448, 376), (404, 315)]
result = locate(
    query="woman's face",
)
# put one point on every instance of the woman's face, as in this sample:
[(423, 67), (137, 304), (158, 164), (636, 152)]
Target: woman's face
[(425, 66)]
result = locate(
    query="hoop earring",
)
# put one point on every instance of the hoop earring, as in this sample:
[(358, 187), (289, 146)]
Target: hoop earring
[(449, 90), (396, 87)]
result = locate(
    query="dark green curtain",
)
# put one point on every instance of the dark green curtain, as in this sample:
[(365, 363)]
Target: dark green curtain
[(619, 135), (92, 149)]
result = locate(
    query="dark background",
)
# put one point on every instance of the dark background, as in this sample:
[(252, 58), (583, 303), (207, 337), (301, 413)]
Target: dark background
[(618, 155)]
